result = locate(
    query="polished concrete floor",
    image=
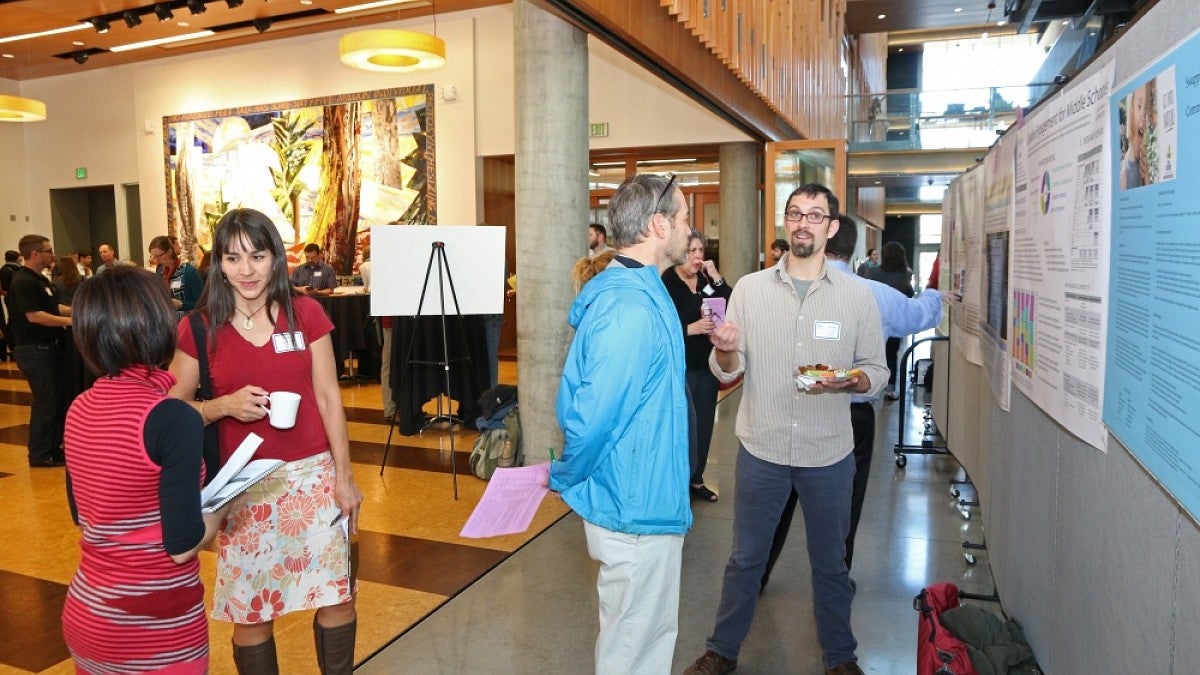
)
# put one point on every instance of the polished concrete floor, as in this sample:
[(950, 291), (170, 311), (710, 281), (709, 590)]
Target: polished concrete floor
[(536, 612), (432, 602)]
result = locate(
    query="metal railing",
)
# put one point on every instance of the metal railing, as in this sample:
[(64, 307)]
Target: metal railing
[(903, 119)]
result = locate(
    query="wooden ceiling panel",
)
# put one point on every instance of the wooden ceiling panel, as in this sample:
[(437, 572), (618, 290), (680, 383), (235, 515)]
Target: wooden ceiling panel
[(36, 57), (862, 16)]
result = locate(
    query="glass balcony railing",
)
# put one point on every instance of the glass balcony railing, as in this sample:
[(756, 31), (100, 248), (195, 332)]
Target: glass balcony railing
[(906, 119)]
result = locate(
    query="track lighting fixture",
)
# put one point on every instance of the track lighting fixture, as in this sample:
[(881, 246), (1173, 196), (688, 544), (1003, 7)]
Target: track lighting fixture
[(80, 57), (233, 4), (261, 25), (100, 24), (196, 6), (163, 12), (131, 18)]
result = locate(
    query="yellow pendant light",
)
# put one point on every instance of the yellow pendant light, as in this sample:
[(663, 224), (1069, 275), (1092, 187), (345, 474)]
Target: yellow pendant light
[(392, 50), (18, 109)]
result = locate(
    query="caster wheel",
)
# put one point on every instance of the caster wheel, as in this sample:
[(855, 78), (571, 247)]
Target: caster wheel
[(970, 558), (966, 514), (954, 492), (901, 461)]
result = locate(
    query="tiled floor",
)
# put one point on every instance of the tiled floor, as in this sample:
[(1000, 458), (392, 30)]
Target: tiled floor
[(411, 557), (535, 612)]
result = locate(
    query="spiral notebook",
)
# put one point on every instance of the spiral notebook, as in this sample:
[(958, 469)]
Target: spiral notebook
[(238, 474)]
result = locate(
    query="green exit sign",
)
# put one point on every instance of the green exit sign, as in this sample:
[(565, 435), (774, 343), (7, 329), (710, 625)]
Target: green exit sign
[(81, 173), (599, 129)]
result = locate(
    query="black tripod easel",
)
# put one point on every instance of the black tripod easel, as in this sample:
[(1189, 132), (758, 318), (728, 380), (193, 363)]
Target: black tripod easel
[(438, 253)]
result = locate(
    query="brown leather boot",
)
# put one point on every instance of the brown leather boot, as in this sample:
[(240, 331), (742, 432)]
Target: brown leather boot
[(257, 659), (335, 648)]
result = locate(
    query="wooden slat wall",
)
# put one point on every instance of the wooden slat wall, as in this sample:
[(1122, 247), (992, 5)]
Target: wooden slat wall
[(790, 54)]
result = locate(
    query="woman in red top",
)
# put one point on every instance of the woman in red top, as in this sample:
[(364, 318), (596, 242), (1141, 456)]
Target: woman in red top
[(284, 545), (136, 604)]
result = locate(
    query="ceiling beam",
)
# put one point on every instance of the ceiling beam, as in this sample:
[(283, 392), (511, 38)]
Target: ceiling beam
[(646, 33)]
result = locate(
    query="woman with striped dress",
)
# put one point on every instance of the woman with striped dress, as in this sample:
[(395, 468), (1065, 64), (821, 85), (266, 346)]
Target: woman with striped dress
[(136, 603)]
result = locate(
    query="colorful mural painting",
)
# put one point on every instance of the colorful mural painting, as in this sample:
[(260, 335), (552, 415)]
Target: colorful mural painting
[(325, 170)]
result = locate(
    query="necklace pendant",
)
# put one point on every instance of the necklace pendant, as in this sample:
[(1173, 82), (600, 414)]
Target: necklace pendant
[(248, 324)]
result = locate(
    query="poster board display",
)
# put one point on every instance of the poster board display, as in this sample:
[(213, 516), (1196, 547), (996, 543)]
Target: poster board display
[(1060, 258), (1152, 384)]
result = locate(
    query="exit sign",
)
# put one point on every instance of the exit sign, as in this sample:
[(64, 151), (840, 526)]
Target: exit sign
[(81, 173), (599, 129)]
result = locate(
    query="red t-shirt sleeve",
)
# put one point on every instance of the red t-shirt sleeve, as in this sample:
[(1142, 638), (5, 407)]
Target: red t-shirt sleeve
[(314, 322), (183, 337)]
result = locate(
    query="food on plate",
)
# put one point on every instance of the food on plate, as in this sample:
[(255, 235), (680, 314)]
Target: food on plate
[(824, 373)]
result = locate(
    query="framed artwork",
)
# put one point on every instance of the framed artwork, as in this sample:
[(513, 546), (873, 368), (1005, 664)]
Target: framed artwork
[(324, 169)]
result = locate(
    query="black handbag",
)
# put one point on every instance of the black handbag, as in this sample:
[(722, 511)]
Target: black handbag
[(204, 392)]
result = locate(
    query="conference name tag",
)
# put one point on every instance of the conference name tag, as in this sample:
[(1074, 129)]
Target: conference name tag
[(288, 342), (827, 330)]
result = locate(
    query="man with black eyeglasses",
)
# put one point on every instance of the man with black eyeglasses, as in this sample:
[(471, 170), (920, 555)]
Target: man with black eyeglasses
[(800, 312), (39, 325)]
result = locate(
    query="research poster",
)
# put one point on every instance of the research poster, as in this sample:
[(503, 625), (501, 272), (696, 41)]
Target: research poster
[(997, 229), (1152, 386), (968, 266), (946, 254), (1060, 257)]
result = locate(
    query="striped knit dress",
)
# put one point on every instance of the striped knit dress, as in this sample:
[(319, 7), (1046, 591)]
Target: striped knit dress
[(130, 608)]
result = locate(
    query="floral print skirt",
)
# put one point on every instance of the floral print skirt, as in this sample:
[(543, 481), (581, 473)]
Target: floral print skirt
[(277, 552)]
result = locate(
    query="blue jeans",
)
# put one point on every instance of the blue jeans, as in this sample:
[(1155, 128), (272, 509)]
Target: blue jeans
[(42, 366), (762, 490)]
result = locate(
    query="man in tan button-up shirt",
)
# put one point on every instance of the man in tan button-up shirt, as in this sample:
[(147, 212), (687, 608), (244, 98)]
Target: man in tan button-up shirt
[(799, 312)]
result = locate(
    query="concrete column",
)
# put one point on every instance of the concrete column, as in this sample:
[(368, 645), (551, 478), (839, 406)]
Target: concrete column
[(551, 73), (740, 226)]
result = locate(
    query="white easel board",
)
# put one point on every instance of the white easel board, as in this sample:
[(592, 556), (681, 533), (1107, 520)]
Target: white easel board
[(400, 256)]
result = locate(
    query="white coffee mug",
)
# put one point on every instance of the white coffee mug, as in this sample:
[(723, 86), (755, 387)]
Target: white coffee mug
[(283, 409)]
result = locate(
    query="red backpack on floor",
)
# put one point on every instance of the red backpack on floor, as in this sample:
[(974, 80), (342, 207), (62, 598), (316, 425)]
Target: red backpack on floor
[(938, 651)]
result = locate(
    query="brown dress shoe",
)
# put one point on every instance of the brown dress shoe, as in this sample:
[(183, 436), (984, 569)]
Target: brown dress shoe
[(712, 663), (847, 668)]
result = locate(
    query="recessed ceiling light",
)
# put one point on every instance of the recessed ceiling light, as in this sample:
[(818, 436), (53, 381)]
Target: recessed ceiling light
[(984, 35), (306, 2), (183, 24), (882, 16), (957, 10), (8, 56), (900, 49), (44, 33), (77, 43), (1002, 22), (879, 182)]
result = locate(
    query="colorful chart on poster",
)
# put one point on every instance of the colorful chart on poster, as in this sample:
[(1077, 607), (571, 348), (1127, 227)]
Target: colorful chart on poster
[(1060, 257)]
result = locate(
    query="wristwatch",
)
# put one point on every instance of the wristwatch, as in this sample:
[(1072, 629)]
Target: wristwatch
[(719, 282)]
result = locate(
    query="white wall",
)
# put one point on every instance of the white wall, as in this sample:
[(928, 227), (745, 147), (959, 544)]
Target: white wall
[(14, 191), (97, 118), (640, 108)]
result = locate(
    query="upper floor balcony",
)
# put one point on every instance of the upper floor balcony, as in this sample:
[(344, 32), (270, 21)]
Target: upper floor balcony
[(913, 119)]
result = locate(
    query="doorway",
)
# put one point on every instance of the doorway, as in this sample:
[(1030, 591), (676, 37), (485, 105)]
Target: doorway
[(83, 218)]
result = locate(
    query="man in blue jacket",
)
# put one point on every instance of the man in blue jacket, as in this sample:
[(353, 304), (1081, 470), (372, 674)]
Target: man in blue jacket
[(622, 405)]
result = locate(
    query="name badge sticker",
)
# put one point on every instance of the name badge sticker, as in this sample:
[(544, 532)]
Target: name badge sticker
[(317, 274), (288, 342), (176, 284), (827, 330), (708, 289)]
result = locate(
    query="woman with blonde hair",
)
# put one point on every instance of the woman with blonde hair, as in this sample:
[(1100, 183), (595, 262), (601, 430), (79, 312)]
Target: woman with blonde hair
[(587, 268)]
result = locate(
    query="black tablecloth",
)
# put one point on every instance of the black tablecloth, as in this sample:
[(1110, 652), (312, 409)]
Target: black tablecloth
[(353, 331), (420, 378)]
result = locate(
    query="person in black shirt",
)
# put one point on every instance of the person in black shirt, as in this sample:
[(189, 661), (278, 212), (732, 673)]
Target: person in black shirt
[(11, 265), (38, 323), (689, 286)]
